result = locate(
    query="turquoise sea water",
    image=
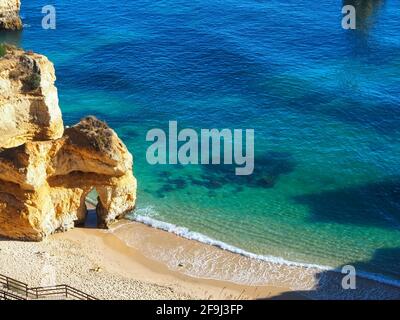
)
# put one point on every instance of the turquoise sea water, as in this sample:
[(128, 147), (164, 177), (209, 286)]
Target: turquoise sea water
[(324, 103)]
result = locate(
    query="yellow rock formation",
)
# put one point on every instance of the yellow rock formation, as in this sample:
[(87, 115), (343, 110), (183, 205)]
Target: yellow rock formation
[(28, 99), (46, 172), (9, 15)]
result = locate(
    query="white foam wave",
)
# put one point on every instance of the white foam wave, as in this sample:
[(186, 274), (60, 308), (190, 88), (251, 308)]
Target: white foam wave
[(146, 216), (191, 235)]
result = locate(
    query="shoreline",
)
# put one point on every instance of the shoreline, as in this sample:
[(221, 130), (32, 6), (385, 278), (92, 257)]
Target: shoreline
[(136, 261), (99, 263), (184, 256), (185, 233), (131, 263)]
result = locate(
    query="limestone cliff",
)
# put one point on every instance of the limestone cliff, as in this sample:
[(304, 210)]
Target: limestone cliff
[(28, 99), (44, 181), (9, 15)]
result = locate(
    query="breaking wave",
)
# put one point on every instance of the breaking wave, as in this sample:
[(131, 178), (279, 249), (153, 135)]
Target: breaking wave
[(146, 216)]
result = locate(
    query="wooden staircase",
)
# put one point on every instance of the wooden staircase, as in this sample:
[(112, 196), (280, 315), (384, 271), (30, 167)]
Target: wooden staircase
[(11, 289)]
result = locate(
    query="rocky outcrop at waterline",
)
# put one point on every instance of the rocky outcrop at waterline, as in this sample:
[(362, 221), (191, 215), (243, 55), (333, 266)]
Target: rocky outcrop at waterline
[(9, 15), (46, 172)]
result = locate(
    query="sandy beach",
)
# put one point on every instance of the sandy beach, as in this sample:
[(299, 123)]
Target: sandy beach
[(100, 263), (231, 151), (103, 266)]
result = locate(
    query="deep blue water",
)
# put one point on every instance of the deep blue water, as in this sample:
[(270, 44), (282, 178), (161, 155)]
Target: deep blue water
[(324, 103)]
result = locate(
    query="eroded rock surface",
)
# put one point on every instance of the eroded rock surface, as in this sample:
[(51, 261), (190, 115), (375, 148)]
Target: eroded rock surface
[(44, 184), (9, 15), (46, 172), (28, 99)]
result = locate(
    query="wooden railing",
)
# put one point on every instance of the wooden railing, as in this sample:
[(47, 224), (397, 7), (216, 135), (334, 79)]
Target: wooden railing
[(58, 291), (4, 295), (16, 286), (17, 290)]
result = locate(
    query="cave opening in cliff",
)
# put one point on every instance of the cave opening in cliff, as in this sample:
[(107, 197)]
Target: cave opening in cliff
[(91, 219), (91, 216)]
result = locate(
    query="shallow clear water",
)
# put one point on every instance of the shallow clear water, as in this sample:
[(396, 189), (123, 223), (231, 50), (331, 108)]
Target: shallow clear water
[(324, 103)]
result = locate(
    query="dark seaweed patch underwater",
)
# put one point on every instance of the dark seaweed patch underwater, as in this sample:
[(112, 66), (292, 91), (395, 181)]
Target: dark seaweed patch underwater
[(323, 102)]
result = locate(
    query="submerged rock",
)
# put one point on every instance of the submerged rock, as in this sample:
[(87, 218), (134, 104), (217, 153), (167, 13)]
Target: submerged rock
[(44, 181), (9, 15)]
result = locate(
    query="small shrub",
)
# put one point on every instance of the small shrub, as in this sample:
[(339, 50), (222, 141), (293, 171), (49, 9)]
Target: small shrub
[(32, 82), (97, 132), (92, 133)]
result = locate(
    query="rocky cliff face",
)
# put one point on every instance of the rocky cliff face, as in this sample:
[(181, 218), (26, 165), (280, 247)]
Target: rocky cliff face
[(9, 15), (28, 99), (44, 181)]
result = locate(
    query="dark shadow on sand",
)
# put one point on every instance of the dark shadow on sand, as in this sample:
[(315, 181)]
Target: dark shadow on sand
[(329, 284)]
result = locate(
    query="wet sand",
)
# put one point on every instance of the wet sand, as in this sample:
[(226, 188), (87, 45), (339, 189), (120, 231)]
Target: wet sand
[(135, 261)]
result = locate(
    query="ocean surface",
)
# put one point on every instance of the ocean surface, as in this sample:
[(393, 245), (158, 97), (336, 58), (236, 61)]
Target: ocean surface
[(324, 103)]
